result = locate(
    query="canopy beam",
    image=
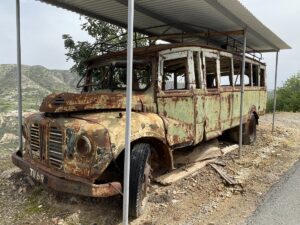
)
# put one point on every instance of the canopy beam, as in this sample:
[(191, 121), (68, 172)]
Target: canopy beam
[(183, 17), (235, 19), (200, 34), (93, 15), (161, 18)]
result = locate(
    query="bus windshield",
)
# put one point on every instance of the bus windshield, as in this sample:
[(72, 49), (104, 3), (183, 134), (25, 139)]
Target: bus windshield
[(113, 76)]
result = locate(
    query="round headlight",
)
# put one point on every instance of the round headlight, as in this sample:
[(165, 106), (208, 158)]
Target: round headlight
[(83, 145)]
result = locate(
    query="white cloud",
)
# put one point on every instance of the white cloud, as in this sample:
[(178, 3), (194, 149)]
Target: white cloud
[(42, 27)]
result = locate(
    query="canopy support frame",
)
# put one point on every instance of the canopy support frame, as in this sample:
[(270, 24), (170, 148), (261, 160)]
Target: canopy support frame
[(242, 93), (19, 74), (128, 111), (275, 89)]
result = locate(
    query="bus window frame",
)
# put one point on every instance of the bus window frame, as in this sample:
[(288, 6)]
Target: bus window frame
[(214, 54)]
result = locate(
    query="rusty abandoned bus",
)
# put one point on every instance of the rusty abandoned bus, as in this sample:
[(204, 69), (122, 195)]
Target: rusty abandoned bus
[(183, 94)]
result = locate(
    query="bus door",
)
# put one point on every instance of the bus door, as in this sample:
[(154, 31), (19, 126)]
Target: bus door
[(175, 97), (212, 106)]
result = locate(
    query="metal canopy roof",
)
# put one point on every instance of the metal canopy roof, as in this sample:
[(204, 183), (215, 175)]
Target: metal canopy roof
[(154, 17)]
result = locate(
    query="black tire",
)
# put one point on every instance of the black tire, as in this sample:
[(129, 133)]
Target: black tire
[(139, 178), (249, 136)]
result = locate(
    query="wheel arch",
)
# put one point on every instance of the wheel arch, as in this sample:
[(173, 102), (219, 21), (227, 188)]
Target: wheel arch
[(163, 151)]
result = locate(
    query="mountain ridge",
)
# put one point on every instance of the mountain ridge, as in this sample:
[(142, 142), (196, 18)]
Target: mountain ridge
[(37, 83)]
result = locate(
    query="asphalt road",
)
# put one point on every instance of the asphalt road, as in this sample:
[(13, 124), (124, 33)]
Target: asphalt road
[(282, 204)]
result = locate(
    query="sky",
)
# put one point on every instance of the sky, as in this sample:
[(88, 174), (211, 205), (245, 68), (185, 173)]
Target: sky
[(42, 27)]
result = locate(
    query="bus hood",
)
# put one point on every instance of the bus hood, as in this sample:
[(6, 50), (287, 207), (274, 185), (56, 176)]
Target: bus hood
[(78, 102)]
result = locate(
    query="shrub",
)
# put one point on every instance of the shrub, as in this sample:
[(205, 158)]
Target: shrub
[(288, 96)]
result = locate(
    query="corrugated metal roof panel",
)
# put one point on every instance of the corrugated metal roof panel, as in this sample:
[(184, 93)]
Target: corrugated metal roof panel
[(184, 16)]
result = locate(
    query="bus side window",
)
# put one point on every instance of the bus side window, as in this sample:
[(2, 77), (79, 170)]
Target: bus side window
[(211, 72), (262, 78), (238, 71), (255, 74), (175, 74), (225, 71)]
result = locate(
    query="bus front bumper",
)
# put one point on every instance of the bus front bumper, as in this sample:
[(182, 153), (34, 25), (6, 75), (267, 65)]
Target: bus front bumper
[(65, 184)]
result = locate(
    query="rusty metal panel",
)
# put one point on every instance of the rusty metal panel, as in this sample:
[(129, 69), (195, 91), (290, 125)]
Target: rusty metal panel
[(255, 96), (178, 111), (178, 108), (199, 101), (104, 99), (179, 133), (212, 109), (142, 125), (226, 112)]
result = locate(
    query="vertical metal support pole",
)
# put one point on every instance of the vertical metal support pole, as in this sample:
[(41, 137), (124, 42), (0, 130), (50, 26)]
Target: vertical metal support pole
[(128, 110), (275, 88), (242, 96), (19, 73)]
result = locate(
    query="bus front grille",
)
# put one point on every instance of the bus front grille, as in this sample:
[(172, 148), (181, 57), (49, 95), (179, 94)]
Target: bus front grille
[(55, 152), (35, 141)]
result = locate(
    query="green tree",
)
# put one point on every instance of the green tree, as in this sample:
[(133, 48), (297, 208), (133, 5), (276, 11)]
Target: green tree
[(288, 96), (270, 101), (108, 38)]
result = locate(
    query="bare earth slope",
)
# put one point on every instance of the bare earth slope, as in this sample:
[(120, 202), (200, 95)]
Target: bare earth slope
[(202, 198)]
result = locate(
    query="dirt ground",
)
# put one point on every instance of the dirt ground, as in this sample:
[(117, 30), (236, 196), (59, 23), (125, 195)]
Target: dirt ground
[(203, 198)]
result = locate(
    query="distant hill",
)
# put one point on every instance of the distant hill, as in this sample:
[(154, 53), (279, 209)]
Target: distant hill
[(37, 82)]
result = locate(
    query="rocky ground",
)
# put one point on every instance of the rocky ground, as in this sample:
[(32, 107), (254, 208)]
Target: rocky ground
[(203, 198)]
